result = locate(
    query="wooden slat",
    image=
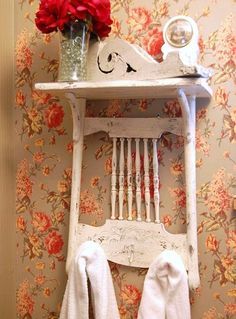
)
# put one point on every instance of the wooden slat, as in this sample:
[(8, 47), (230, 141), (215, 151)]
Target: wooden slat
[(122, 240), (138, 180), (188, 106), (121, 179), (130, 89), (78, 107), (127, 127), (146, 180), (156, 182), (129, 179), (113, 181)]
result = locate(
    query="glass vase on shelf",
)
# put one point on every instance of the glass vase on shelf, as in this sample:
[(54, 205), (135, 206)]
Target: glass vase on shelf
[(74, 43)]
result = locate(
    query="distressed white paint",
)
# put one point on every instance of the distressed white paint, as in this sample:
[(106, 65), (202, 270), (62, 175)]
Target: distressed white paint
[(131, 89), (122, 239), (78, 113), (129, 179), (127, 242), (113, 180), (156, 182), (188, 106), (127, 127), (116, 59), (123, 251), (146, 180), (190, 254), (138, 179), (121, 179)]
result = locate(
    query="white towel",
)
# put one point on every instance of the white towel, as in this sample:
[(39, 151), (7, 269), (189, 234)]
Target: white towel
[(90, 263), (165, 292)]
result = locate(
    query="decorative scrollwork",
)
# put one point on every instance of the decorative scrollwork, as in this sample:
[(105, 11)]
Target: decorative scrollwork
[(128, 244), (111, 60)]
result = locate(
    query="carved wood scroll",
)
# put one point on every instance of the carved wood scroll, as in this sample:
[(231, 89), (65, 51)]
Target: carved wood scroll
[(118, 59)]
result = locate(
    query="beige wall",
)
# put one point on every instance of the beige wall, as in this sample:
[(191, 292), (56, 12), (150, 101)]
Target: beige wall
[(7, 231)]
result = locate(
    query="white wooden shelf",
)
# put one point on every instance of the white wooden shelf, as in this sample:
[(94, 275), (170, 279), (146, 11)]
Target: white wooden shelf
[(128, 89), (118, 70)]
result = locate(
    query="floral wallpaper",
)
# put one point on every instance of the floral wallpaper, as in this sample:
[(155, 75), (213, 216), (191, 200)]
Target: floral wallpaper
[(43, 130)]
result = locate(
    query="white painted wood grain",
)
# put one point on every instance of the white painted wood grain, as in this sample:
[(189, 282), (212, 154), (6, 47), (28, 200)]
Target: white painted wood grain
[(116, 58), (113, 180), (127, 72), (146, 180), (188, 106), (131, 89), (127, 127), (129, 179), (156, 182), (78, 112), (138, 179), (143, 241), (121, 179)]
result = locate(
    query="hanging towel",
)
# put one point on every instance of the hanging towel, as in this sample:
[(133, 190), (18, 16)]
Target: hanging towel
[(90, 263), (165, 292)]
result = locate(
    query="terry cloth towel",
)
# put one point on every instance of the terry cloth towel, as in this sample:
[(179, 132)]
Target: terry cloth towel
[(165, 292), (90, 263)]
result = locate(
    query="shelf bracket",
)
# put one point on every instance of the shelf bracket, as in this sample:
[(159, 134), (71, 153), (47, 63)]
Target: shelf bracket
[(188, 107), (78, 106)]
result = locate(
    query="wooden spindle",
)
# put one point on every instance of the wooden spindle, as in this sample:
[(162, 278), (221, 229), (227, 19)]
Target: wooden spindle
[(138, 180), (146, 180), (156, 182), (113, 181), (129, 178), (121, 179)]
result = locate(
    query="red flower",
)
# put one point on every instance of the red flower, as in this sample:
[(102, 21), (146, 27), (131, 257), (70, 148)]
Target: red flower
[(180, 197), (153, 43), (130, 295), (53, 15), (54, 115), (101, 29), (139, 19), (98, 10), (41, 221), (54, 243)]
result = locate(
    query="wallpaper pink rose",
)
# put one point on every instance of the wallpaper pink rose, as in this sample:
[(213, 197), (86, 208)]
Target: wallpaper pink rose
[(44, 147)]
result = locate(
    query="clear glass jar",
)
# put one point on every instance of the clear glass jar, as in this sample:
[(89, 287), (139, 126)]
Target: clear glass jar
[(74, 42)]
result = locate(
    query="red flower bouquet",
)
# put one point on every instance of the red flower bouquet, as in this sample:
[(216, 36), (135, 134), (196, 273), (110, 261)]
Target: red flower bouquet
[(54, 15)]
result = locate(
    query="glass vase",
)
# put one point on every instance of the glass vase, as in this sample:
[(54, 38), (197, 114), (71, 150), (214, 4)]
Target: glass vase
[(74, 42)]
